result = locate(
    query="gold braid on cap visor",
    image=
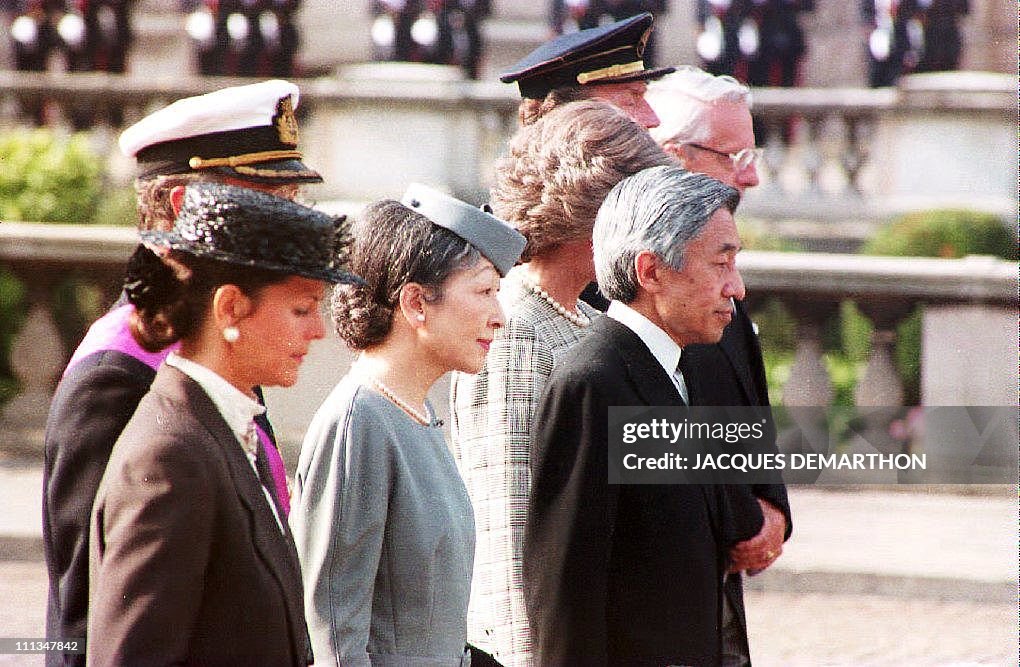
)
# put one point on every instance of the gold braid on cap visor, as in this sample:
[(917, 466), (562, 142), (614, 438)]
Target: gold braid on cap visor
[(611, 72), (241, 160)]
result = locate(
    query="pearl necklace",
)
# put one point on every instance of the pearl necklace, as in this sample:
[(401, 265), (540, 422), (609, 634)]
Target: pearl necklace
[(400, 403), (578, 319)]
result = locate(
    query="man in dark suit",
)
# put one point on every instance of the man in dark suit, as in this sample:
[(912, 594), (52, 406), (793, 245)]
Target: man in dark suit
[(706, 124), (633, 574), (191, 140)]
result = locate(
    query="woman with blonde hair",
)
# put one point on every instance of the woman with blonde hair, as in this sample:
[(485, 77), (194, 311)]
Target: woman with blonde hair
[(549, 186)]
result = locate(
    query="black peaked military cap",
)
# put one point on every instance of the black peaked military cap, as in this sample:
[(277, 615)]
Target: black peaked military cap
[(606, 54), (246, 132)]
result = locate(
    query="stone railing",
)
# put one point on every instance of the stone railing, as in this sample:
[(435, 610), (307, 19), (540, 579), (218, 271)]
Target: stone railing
[(969, 344), (847, 156), (968, 337)]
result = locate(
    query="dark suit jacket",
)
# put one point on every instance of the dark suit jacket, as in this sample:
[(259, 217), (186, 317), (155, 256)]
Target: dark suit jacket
[(92, 404), (90, 408), (732, 373), (187, 562), (619, 574)]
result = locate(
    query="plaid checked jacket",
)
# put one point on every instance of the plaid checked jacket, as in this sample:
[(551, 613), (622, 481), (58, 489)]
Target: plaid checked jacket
[(492, 414)]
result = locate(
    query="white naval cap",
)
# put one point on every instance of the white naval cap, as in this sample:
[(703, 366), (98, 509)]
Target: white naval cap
[(248, 132)]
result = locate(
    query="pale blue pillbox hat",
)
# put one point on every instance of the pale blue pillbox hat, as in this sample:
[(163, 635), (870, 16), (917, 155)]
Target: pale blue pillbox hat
[(498, 242)]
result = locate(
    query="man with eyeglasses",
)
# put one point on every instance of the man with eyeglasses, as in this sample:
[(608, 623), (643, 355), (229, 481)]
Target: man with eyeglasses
[(705, 122)]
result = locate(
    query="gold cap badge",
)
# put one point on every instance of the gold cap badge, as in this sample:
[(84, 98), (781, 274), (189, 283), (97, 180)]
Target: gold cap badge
[(285, 122)]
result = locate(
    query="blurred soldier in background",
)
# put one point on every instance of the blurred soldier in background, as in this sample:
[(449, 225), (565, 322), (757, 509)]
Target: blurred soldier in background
[(567, 16), (31, 26), (717, 43), (760, 42), (34, 29), (891, 51), (942, 43), (96, 37), (243, 37), (105, 37), (444, 32), (773, 42), (92, 35), (776, 46), (905, 36)]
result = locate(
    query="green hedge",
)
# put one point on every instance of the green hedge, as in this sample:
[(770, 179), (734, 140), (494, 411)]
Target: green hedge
[(12, 314), (45, 177), (948, 233), (50, 177)]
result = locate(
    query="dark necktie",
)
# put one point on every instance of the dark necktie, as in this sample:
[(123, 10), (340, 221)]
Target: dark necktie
[(262, 468)]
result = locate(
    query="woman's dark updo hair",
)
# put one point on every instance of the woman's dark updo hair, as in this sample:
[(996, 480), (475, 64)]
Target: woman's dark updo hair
[(172, 294), (393, 245)]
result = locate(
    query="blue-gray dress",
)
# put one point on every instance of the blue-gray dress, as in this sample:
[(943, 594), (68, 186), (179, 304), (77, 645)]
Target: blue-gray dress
[(385, 533)]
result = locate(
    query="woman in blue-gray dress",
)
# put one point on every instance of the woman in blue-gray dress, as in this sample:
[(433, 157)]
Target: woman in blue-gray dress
[(383, 523)]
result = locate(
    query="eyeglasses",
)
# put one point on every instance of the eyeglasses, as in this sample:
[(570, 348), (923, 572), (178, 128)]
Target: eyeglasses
[(742, 159)]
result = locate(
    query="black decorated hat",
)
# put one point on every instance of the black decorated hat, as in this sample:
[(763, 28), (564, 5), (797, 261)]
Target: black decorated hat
[(244, 132), (252, 228), (606, 54)]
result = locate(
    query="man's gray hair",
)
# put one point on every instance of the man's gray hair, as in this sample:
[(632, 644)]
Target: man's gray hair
[(659, 209), (682, 98)]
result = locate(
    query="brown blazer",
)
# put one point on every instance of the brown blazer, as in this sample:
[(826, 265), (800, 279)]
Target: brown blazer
[(187, 563)]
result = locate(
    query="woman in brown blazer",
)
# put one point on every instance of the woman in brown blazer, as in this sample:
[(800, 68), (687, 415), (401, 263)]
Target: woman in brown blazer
[(191, 559)]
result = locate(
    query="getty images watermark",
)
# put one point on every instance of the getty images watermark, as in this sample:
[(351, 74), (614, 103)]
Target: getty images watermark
[(805, 445)]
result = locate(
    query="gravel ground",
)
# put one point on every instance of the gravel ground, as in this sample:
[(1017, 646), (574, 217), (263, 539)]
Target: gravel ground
[(785, 630), (859, 630)]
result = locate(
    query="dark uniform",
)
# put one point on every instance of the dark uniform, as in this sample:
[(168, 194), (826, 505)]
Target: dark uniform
[(888, 47), (942, 42), (457, 39), (760, 42), (108, 36), (265, 40), (718, 44), (31, 27), (597, 11), (781, 43)]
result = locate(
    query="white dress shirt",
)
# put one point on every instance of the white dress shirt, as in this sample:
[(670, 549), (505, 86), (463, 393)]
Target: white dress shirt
[(663, 348), (238, 410)]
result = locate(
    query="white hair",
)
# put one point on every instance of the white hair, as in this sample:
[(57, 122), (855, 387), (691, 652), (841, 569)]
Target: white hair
[(681, 99), (660, 209)]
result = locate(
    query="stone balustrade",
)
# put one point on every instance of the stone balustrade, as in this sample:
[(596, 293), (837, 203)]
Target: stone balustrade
[(969, 344), (968, 338), (837, 161)]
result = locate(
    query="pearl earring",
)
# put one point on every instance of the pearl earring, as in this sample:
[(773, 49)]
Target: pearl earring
[(231, 334), (421, 317)]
